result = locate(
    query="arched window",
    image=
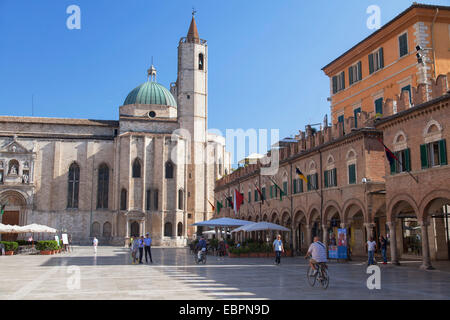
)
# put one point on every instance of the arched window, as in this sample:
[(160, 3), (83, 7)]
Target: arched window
[(169, 170), (96, 229), (168, 229), (107, 230), (74, 186), (180, 199), (102, 187), (123, 199), (180, 229), (201, 61), (136, 168)]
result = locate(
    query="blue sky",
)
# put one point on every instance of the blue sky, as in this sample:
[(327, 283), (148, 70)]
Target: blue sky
[(265, 57)]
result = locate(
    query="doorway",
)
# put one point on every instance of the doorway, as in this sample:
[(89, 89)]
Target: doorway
[(12, 218)]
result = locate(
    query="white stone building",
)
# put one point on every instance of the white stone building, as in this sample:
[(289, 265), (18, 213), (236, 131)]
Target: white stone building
[(152, 171)]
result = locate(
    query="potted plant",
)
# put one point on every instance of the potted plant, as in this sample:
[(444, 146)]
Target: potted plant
[(10, 247), (234, 252), (47, 247)]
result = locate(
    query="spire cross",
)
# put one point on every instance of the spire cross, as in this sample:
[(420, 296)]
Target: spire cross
[(194, 12)]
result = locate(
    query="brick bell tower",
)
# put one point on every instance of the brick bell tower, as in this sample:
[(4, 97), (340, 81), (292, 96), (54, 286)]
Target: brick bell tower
[(191, 91)]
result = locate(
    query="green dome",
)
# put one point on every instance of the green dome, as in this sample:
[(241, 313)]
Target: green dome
[(150, 93)]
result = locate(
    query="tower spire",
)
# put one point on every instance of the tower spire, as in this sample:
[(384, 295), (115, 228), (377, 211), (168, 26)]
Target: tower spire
[(192, 35)]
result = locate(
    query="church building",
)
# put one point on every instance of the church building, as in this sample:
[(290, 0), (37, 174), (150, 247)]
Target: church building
[(152, 171)]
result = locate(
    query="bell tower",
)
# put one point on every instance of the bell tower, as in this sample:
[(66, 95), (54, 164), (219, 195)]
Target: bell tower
[(191, 90)]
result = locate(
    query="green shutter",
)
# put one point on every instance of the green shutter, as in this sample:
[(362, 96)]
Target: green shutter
[(271, 192), (423, 156), (263, 191), (343, 80), (379, 106), (308, 186), (442, 152), (256, 195), (334, 84), (360, 70), (380, 52), (249, 196), (350, 75), (294, 186), (407, 160), (351, 174), (325, 178), (285, 187), (316, 181), (300, 185), (371, 63), (334, 177)]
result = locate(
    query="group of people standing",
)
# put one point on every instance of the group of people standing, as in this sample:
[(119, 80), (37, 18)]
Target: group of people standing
[(140, 245)]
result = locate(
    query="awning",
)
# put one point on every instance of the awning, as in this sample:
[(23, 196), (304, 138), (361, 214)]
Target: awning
[(261, 226), (222, 222), (32, 228)]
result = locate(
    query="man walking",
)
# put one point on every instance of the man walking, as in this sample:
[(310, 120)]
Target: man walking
[(95, 244), (147, 244), (278, 247), (371, 247), (141, 249)]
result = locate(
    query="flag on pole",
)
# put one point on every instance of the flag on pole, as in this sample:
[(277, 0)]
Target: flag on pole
[(389, 154), (230, 201), (301, 175), (238, 200), (212, 206), (278, 187), (260, 194), (218, 206)]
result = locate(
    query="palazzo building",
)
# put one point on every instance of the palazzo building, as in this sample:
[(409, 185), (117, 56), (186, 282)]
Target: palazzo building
[(152, 171)]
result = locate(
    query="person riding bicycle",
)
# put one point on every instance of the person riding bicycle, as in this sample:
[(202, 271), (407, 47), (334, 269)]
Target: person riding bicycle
[(318, 253), (201, 247)]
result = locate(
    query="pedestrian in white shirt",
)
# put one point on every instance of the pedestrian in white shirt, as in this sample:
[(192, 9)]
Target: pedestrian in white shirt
[(95, 243), (318, 252), (371, 247)]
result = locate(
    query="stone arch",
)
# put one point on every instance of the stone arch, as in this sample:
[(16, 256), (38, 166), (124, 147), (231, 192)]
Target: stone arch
[(274, 216), (18, 205), (107, 228), (312, 166), (312, 211), (285, 217), (433, 200), (351, 154), (351, 207), (330, 160), (398, 137), (429, 126), (265, 217), (397, 203), (331, 208), (180, 229), (299, 216)]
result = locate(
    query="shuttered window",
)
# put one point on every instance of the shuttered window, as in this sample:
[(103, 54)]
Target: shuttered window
[(404, 163), (376, 60), (338, 82), (352, 174), (433, 154), (403, 44), (379, 106), (354, 73)]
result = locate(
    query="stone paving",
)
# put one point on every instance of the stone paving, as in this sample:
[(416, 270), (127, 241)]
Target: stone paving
[(110, 275)]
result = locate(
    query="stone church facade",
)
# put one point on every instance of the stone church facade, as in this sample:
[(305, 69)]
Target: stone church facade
[(152, 171)]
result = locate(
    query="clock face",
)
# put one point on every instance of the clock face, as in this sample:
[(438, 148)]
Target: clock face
[(152, 114)]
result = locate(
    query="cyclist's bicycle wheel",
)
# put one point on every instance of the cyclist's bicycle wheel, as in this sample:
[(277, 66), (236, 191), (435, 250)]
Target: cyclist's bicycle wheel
[(325, 279), (311, 275)]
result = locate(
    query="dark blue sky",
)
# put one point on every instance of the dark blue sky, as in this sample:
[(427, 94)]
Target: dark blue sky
[(265, 57)]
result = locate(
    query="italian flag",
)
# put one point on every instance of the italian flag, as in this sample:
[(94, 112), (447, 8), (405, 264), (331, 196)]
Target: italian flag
[(238, 200)]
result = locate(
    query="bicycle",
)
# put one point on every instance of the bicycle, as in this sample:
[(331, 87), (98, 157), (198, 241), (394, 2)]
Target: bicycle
[(320, 275), (202, 257)]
